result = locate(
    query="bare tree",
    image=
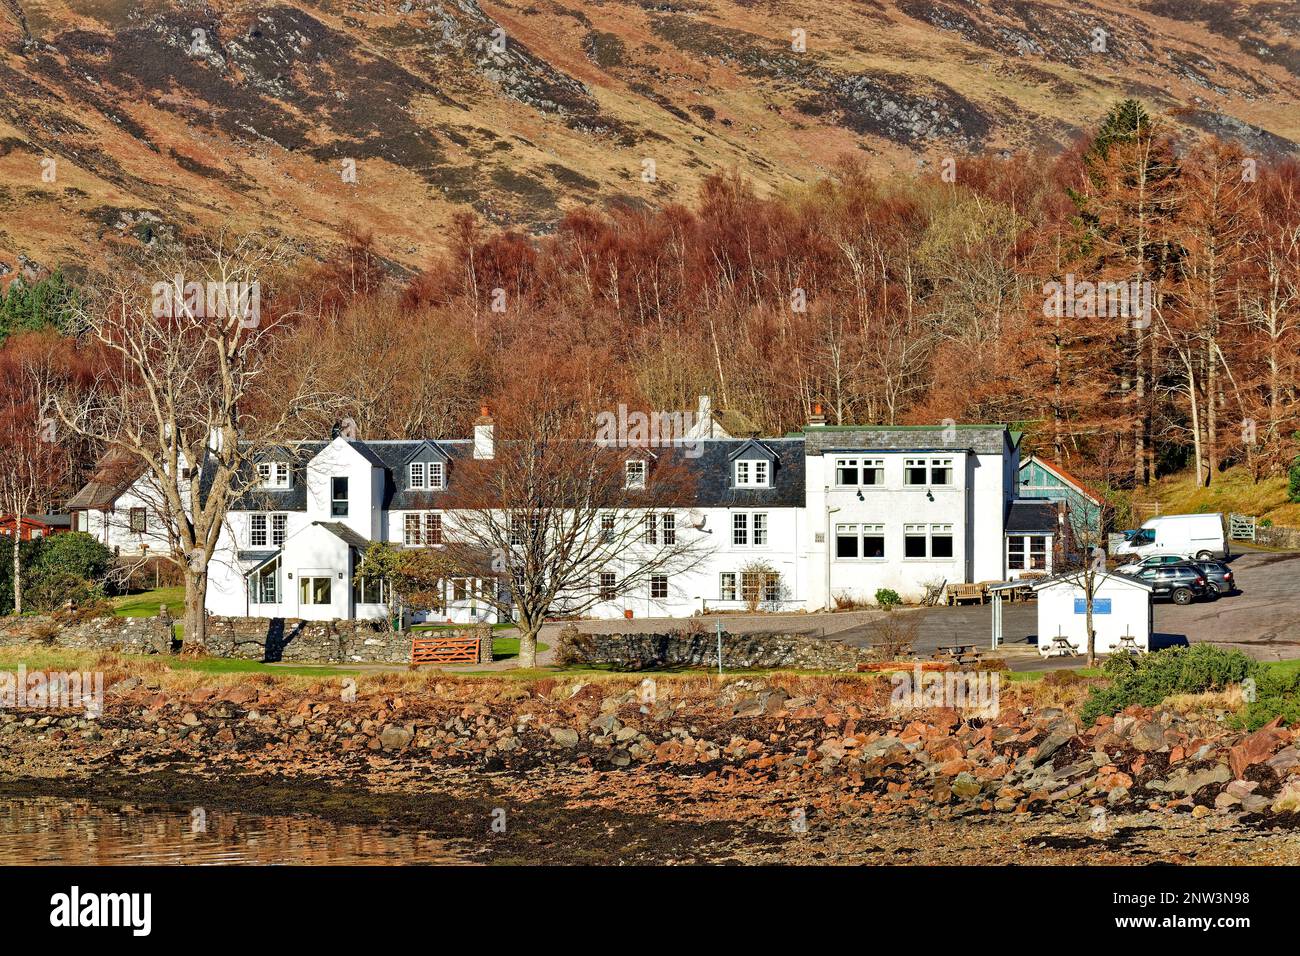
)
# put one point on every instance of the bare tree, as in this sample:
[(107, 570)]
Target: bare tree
[(188, 346), (32, 462), (1081, 558), (560, 523)]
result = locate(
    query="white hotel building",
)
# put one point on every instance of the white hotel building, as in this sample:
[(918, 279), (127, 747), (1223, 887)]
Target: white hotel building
[(835, 510)]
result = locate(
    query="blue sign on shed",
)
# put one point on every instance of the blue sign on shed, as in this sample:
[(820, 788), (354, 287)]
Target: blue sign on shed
[(1099, 605)]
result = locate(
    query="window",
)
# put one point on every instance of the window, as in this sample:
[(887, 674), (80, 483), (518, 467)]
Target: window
[(1016, 553), (651, 533), (432, 528), (314, 591), (279, 526), (607, 585), (914, 541), (846, 541), (460, 589), (866, 540), (941, 471), (1027, 552), (668, 525), (760, 586), (846, 472), (436, 477), (727, 586), (138, 520), (658, 586), (371, 591), (749, 528), (257, 531), (264, 584), (338, 496), (417, 474), (607, 528), (751, 474), (634, 474), (412, 534), (273, 474), (873, 471), (517, 526), (915, 471), (1037, 552), (941, 541)]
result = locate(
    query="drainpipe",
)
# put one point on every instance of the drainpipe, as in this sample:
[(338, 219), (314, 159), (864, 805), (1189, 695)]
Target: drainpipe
[(829, 511)]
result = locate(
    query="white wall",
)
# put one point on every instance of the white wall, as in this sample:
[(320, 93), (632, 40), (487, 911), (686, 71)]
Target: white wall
[(1130, 612)]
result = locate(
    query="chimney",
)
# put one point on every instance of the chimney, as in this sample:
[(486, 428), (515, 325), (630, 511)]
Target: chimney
[(704, 418), (817, 418), (484, 434), (336, 430)]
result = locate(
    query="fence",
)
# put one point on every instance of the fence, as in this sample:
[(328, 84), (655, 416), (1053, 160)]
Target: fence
[(445, 650), (1241, 527)]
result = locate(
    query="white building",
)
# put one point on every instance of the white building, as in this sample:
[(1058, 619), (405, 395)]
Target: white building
[(1121, 607), (837, 511)]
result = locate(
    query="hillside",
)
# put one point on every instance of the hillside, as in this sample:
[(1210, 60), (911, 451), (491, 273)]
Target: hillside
[(166, 116)]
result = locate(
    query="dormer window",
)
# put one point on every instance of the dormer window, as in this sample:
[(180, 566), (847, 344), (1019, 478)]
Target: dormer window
[(634, 474), (417, 474), (273, 474), (435, 474), (753, 473)]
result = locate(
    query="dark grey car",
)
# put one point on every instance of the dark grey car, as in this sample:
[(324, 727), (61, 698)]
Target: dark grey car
[(1219, 579), (1180, 583)]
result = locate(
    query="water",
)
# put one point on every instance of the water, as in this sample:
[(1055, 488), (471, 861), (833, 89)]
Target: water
[(43, 831)]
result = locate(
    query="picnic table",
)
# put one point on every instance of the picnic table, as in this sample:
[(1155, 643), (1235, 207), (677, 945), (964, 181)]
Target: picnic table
[(1061, 647), (961, 654), (1128, 645)]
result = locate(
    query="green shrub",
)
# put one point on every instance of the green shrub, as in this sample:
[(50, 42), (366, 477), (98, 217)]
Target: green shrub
[(1150, 678), (888, 599), (1293, 480), (75, 553), (1275, 695)]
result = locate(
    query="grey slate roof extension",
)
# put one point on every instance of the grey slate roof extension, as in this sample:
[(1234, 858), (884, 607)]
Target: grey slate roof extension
[(981, 439), (345, 534), (1032, 516)]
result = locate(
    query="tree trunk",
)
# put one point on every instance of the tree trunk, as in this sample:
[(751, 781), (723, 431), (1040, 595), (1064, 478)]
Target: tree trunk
[(1211, 412), (1092, 635), (528, 647), (194, 638), (18, 570)]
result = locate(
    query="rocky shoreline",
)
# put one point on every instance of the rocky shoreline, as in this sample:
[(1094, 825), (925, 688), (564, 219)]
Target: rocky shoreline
[(683, 770)]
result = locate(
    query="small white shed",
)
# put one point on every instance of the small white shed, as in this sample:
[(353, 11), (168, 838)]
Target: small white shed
[(1121, 606)]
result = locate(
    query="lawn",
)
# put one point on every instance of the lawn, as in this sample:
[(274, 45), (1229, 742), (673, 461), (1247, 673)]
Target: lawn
[(147, 603)]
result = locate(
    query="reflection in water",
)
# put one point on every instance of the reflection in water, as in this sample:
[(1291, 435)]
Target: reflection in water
[(36, 831)]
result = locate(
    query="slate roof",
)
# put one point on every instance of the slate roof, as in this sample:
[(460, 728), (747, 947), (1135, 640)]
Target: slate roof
[(711, 471), (981, 439), (345, 534), (1032, 515), (112, 476)]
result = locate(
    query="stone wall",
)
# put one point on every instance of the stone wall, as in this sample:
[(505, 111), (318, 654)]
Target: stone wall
[(637, 651), (130, 635), (1275, 537), (250, 638)]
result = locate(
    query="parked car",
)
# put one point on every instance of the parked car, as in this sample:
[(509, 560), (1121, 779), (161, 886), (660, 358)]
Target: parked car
[(1132, 562), (1219, 578), (1181, 583), (1200, 537)]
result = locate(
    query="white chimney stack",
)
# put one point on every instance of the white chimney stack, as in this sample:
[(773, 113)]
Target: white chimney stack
[(484, 435), (704, 424)]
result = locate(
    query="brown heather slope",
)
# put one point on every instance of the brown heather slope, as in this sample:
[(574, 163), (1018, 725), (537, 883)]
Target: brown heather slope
[(155, 134)]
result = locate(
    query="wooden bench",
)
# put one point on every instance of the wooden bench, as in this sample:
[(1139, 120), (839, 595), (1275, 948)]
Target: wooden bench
[(966, 592), (444, 650)]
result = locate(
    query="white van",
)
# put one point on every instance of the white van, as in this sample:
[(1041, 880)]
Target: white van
[(1187, 536)]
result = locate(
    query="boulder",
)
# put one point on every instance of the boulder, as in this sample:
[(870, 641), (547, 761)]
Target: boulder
[(394, 737)]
